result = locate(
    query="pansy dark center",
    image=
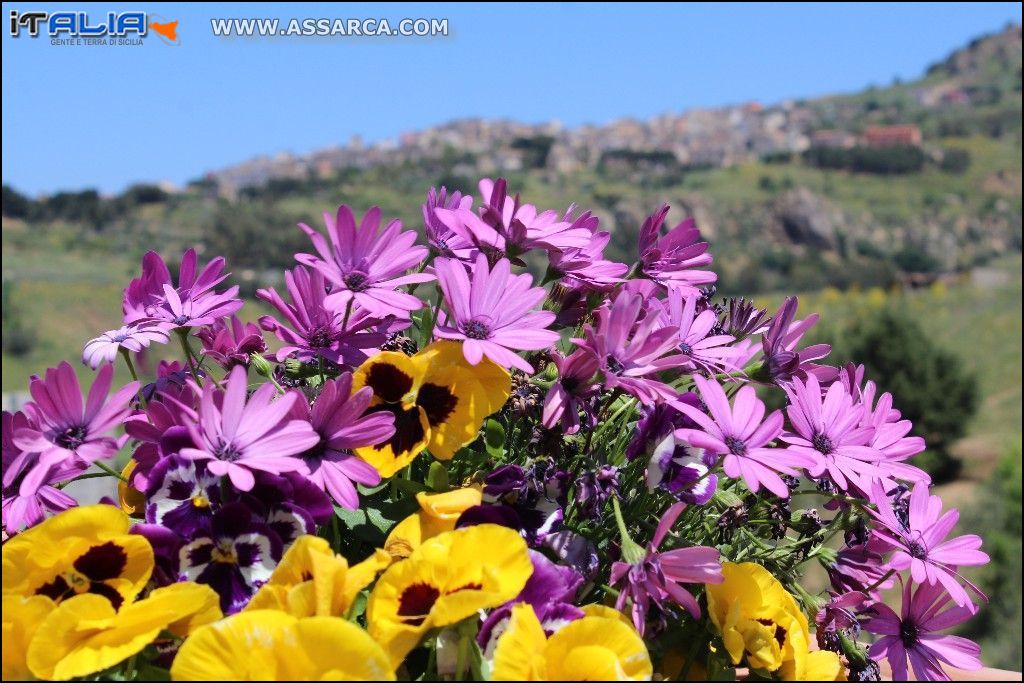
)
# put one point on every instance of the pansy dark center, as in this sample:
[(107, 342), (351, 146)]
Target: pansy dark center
[(780, 632), (613, 364), (200, 501), (72, 437), (224, 552), (908, 633), (357, 280), (437, 401), (416, 602), (88, 574), (476, 329), (736, 446), (388, 382), (823, 444)]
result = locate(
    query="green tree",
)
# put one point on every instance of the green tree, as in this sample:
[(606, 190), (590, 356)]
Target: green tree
[(996, 516), (928, 383)]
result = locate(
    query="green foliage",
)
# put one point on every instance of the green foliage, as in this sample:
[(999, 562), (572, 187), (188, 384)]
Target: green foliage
[(895, 160), (930, 385), (18, 336), (955, 161), (15, 204), (997, 514)]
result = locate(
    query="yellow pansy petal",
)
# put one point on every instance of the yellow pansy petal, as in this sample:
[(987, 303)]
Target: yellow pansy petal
[(823, 665), (438, 513), (84, 634), (337, 649), (448, 578), (412, 433), (361, 575), (606, 612), (457, 396), (248, 646), (519, 654), (22, 616), (132, 500), (187, 606), (594, 648)]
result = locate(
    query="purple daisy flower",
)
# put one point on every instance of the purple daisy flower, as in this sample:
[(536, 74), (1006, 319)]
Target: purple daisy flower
[(365, 264), (655, 577), (829, 428), (491, 313), (61, 428), (889, 437), (29, 493), (742, 319), (235, 557), (230, 342), (782, 362), (506, 227), (630, 350), (700, 348), (133, 338), (671, 260), (920, 544), (237, 437), (586, 266), (912, 635), (444, 240), (193, 303), (313, 330), (571, 390), (339, 420), (860, 567), (741, 433)]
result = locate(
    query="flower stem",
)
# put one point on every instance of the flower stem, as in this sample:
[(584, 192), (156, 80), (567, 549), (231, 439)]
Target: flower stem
[(126, 354), (183, 338), (110, 470)]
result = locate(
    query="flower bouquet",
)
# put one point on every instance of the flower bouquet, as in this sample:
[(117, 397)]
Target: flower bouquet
[(498, 455)]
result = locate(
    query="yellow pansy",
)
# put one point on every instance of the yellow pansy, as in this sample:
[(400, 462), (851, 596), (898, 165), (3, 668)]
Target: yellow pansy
[(594, 648), (263, 645), (22, 617), (84, 634), (81, 550), (760, 620), (130, 498), (448, 578), (606, 612), (438, 513), (311, 580), (439, 401)]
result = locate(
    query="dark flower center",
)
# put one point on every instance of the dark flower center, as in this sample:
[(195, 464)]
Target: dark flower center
[(72, 437), (356, 280), (736, 446), (228, 453), (319, 338), (416, 602), (908, 634), (686, 349), (917, 550), (614, 366), (120, 337), (437, 401), (180, 320), (823, 444), (475, 329), (570, 384)]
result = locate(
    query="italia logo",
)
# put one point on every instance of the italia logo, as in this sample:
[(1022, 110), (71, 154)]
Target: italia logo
[(70, 25)]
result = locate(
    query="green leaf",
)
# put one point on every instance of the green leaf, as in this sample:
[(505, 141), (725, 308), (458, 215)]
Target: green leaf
[(494, 438), (437, 477)]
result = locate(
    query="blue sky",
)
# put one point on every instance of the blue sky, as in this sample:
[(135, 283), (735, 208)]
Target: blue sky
[(76, 117)]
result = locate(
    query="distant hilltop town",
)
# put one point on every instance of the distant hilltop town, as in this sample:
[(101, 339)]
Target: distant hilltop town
[(700, 137), (876, 117)]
